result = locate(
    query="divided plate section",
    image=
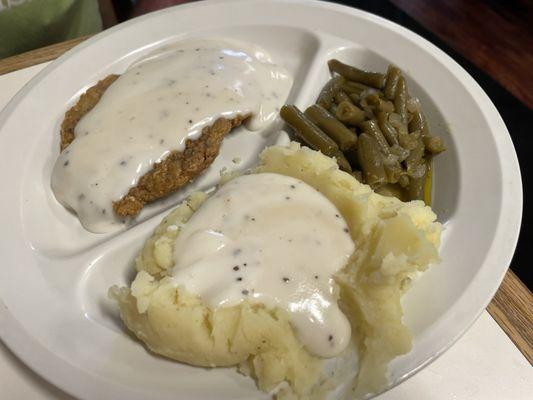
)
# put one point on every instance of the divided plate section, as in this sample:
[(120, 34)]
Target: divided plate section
[(56, 232), (435, 291)]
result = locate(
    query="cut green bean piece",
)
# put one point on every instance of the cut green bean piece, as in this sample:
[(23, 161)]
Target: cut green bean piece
[(371, 160), (342, 161), (388, 130), (393, 168), (373, 99), (349, 113), (404, 181), (355, 98), (408, 140), (415, 190), (371, 128), (312, 135), (415, 158), (393, 74), (385, 106), (400, 99), (350, 73), (308, 131), (358, 175), (399, 152), (335, 129), (413, 105), (369, 112), (341, 96), (396, 121), (326, 96), (391, 190), (418, 123), (354, 87), (427, 184), (434, 144), (351, 156)]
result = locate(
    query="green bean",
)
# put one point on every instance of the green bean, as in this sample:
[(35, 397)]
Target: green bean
[(325, 98), (404, 181), (419, 170), (415, 158), (355, 97), (391, 190), (393, 74), (308, 131), (417, 183), (400, 99), (399, 152), (373, 79), (393, 168), (408, 140), (418, 123), (371, 128), (354, 87), (332, 127), (388, 130), (341, 96), (373, 99), (371, 160), (427, 184), (369, 112), (415, 190), (434, 144), (341, 160), (412, 105), (396, 121), (385, 106), (351, 156), (358, 175), (349, 113)]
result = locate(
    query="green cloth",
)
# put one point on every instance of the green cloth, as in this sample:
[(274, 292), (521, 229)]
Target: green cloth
[(30, 24)]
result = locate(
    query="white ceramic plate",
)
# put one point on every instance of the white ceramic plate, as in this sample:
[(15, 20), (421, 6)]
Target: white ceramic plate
[(54, 313)]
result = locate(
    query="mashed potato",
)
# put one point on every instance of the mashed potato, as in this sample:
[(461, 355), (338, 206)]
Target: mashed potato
[(394, 240)]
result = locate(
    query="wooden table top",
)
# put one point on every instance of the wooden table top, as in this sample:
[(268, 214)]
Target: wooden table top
[(511, 307)]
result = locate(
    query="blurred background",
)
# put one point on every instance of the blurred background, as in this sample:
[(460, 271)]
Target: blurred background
[(492, 40)]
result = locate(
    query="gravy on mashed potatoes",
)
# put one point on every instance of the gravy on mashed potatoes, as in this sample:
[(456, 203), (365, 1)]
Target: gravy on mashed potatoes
[(185, 318), (271, 239)]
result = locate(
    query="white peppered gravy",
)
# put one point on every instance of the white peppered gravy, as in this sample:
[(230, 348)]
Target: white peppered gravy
[(275, 240), (160, 102)]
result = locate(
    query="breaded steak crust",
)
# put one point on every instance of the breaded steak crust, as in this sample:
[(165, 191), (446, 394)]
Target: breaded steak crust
[(165, 177), (85, 104)]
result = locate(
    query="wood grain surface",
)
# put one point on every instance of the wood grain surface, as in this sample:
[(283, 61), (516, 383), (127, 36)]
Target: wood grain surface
[(512, 306), (495, 36), (37, 56)]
